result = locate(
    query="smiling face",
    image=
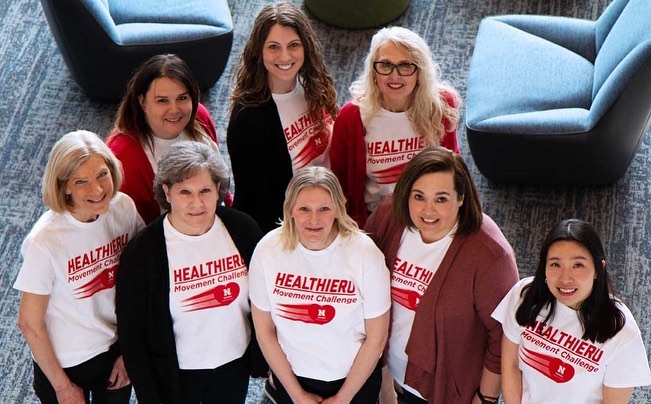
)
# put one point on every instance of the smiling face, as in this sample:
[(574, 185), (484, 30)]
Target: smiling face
[(434, 205), (90, 189), (396, 90), (167, 106), (283, 55), (193, 203), (570, 272), (314, 217)]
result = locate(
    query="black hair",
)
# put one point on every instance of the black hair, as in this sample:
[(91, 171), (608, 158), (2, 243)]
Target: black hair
[(599, 315)]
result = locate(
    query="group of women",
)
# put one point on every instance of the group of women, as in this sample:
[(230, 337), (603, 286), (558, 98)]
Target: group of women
[(379, 280)]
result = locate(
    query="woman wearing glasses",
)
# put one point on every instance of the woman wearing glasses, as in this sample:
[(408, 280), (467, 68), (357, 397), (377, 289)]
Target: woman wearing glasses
[(399, 106)]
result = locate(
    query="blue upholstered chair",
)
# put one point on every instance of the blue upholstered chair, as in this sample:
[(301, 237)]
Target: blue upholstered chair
[(560, 101), (103, 41)]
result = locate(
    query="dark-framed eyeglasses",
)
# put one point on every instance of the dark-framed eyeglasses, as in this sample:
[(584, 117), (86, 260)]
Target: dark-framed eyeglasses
[(386, 68)]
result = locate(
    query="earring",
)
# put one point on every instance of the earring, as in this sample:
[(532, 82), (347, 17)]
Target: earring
[(545, 280)]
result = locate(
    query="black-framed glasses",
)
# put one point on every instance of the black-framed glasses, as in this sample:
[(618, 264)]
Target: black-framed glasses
[(386, 68)]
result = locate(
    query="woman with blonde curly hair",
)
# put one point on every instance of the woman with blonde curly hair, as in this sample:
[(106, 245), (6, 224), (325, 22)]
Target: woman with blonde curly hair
[(319, 290), (399, 106), (282, 112)]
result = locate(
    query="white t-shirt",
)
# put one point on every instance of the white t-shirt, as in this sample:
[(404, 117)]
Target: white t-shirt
[(75, 264), (306, 148), (319, 300), (391, 142), (162, 146), (415, 266), (208, 297), (559, 367)]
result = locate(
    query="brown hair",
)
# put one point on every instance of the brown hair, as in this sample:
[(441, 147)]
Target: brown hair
[(436, 159), (251, 87), (130, 118)]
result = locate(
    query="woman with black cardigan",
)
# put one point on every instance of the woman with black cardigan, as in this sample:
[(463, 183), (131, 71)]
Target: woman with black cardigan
[(182, 306)]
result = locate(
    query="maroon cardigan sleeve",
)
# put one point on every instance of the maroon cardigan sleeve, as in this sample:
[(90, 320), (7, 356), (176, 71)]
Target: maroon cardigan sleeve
[(454, 317), (383, 228)]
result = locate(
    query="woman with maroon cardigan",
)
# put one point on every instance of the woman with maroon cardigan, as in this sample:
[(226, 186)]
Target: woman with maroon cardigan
[(450, 267), (161, 107)]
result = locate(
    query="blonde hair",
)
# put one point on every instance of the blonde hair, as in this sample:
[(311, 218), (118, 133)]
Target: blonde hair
[(430, 105), (67, 155), (310, 177)]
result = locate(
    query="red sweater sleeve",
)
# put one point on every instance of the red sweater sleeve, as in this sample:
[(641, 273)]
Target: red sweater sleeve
[(449, 139), (138, 178), (204, 118), (348, 159)]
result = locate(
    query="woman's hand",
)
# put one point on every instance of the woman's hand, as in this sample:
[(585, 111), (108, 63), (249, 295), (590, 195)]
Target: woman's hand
[(70, 394), (367, 358), (335, 400), (307, 398), (119, 377), (387, 390)]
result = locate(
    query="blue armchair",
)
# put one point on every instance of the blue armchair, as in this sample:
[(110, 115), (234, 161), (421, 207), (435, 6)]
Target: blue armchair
[(560, 101), (103, 41)]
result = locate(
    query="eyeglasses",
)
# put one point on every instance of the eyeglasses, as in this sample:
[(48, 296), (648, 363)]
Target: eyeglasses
[(386, 68)]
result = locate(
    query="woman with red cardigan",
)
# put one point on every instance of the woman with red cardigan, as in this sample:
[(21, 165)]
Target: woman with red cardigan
[(161, 107), (450, 267), (399, 106)]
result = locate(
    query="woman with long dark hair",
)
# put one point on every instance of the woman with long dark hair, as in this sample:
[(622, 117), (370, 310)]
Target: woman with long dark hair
[(567, 338), (161, 107), (282, 112)]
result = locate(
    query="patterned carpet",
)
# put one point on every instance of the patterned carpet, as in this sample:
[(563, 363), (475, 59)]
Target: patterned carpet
[(40, 102)]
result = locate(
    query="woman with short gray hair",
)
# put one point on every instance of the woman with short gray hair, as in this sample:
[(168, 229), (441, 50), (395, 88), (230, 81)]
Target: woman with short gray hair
[(184, 283)]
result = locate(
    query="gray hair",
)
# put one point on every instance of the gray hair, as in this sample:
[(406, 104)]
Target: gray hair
[(182, 161)]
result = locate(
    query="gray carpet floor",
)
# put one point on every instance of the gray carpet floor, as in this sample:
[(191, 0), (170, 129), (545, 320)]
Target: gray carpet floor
[(39, 102)]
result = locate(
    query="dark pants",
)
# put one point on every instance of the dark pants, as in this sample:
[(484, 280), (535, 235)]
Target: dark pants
[(367, 394), (406, 397), (92, 376), (228, 383)]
